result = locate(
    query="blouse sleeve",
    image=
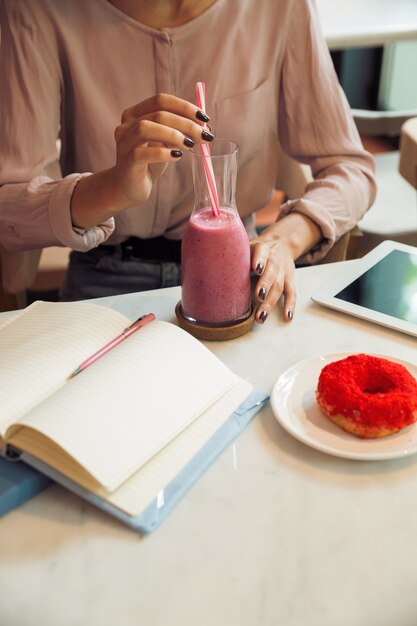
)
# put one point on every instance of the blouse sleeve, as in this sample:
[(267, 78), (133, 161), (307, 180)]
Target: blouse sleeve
[(34, 198), (316, 127)]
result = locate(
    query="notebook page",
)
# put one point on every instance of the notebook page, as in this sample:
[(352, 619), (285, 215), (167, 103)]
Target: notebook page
[(113, 417), (43, 345), (148, 483)]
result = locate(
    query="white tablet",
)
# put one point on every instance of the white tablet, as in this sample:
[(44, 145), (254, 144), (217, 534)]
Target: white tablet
[(380, 287)]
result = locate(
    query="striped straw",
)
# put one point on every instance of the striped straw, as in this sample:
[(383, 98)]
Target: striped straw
[(205, 151)]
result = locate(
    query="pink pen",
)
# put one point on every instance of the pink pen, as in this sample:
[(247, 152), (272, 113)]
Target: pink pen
[(123, 335)]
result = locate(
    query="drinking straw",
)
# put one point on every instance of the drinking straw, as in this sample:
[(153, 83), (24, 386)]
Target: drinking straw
[(205, 151)]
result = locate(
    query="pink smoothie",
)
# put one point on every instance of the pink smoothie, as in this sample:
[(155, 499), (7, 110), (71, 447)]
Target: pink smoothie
[(215, 262)]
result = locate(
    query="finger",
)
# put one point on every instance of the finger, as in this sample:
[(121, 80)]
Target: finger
[(259, 257), (290, 299), (187, 127), (148, 127), (272, 278), (143, 132), (282, 285), (165, 102), (147, 155), (266, 306)]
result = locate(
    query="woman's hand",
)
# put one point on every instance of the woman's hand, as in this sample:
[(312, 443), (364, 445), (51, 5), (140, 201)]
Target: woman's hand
[(273, 254), (151, 135), (272, 260)]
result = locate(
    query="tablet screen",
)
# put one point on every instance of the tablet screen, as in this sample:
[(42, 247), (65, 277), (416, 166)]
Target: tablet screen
[(389, 287)]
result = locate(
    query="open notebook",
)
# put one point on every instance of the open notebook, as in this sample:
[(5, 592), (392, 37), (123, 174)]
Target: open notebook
[(156, 408)]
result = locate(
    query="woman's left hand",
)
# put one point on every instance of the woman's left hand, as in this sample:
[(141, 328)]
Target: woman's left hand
[(273, 262), (273, 254)]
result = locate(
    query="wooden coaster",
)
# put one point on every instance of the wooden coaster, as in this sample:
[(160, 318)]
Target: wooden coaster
[(218, 333)]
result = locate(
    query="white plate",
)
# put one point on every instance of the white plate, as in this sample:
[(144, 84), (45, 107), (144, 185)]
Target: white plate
[(294, 405)]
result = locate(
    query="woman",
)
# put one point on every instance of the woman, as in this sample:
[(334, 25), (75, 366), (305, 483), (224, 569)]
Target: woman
[(115, 82)]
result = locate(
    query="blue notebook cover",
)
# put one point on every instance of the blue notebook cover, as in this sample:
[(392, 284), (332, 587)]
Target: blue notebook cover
[(168, 498), (18, 483)]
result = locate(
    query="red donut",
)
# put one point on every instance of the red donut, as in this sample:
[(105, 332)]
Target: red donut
[(367, 395)]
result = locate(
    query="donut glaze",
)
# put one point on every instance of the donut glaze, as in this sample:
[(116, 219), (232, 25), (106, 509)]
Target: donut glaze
[(367, 395)]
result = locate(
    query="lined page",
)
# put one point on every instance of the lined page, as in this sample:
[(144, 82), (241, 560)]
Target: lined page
[(117, 414), (149, 482), (43, 345)]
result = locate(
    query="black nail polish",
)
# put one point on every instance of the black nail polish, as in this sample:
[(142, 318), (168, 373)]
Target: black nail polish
[(260, 268), (263, 316), (202, 116), (262, 293), (189, 142), (207, 136), (290, 315), (177, 153)]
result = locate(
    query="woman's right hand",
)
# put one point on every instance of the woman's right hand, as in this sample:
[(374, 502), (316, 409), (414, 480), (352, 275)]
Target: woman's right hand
[(152, 134)]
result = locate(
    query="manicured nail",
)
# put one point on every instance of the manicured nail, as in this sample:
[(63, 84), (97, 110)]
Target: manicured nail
[(207, 136), (177, 153), (290, 315), (189, 142), (263, 316), (202, 116), (262, 293), (259, 268)]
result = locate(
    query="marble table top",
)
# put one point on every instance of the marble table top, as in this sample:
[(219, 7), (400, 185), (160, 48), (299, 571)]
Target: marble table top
[(274, 533)]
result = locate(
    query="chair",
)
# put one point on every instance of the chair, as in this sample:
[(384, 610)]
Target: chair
[(31, 275), (17, 272), (408, 152), (394, 213), (11, 301)]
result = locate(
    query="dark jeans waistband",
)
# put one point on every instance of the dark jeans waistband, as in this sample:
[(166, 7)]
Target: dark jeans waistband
[(155, 249)]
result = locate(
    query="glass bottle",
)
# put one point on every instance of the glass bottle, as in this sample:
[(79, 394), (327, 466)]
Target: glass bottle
[(216, 289)]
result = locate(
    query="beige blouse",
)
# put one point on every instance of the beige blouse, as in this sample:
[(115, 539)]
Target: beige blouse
[(69, 69)]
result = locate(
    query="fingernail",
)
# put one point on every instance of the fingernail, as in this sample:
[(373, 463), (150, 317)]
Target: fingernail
[(262, 293), (177, 153), (207, 136), (260, 268), (263, 316), (202, 116), (189, 142), (290, 315)]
